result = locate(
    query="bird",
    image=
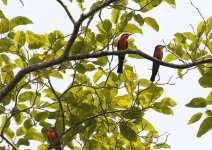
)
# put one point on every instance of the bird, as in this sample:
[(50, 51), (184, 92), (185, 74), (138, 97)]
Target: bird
[(158, 53), (122, 45), (52, 136)]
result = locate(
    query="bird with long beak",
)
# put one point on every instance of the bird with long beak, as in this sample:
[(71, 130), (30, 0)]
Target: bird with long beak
[(52, 136), (122, 45), (158, 53)]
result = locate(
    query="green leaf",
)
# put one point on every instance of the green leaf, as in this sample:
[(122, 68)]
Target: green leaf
[(105, 26), (4, 25), (133, 114), (132, 28), (152, 23), (144, 124), (28, 124), (97, 75), (41, 116), (28, 95), (23, 141), (161, 146), (127, 132), (19, 39), (1, 15), (190, 36), (168, 101), (121, 102), (144, 82), (9, 133), (171, 2), (209, 98), (5, 45), (19, 20), (150, 94), (170, 58), (32, 134), (56, 74), (7, 76), (162, 108), (205, 126), (201, 28), (196, 117), (135, 56), (208, 113), (101, 61), (34, 41), (5, 2), (115, 14), (179, 73), (198, 102), (205, 82), (139, 19), (42, 147), (20, 131), (80, 47), (146, 5)]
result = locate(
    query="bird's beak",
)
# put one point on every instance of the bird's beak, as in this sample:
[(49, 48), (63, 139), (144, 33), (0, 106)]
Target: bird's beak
[(163, 46), (130, 34)]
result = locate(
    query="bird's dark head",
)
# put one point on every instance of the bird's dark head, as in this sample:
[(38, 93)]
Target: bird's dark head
[(125, 35), (159, 47), (51, 129)]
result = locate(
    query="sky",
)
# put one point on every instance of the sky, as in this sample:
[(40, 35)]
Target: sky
[(48, 15)]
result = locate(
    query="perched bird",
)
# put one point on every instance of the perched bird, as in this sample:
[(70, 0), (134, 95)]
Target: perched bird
[(122, 45), (52, 136), (159, 55)]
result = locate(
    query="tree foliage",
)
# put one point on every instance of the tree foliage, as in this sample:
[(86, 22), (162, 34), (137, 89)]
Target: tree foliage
[(100, 109)]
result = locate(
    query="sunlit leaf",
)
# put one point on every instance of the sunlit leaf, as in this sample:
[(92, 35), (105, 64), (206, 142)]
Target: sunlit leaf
[(121, 102), (23, 141), (139, 19), (152, 23), (162, 108), (209, 98), (205, 126), (196, 117), (205, 82), (168, 101), (34, 41), (97, 75), (115, 14), (161, 145), (171, 2), (5, 2), (170, 58), (4, 25), (198, 102), (19, 39), (19, 20), (132, 28)]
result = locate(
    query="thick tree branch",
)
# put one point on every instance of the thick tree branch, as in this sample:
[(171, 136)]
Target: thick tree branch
[(144, 55), (79, 23), (8, 88)]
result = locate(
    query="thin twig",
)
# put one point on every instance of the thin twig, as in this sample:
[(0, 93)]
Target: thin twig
[(67, 11)]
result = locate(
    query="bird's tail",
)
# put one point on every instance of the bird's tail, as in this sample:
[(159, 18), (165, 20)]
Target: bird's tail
[(120, 65), (154, 71), (153, 77)]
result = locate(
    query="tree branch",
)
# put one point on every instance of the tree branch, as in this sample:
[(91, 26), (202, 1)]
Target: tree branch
[(144, 55), (67, 11), (8, 88), (8, 142)]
